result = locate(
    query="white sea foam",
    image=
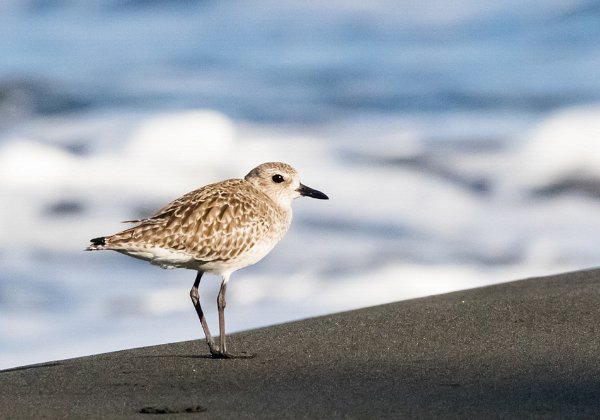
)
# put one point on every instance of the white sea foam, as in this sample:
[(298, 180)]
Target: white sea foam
[(564, 145), (180, 142), (389, 232)]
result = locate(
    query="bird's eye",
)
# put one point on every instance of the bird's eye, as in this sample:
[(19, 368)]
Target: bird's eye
[(277, 178)]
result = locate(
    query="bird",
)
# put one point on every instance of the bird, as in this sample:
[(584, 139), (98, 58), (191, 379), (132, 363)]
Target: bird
[(216, 229)]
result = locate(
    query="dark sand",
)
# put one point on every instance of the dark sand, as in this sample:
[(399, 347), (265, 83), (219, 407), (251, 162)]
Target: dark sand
[(517, 350)]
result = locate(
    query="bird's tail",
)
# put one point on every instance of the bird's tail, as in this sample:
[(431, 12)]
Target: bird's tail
[(97, 244)]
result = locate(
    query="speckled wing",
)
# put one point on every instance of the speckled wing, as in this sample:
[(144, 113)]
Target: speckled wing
[(217, 222)]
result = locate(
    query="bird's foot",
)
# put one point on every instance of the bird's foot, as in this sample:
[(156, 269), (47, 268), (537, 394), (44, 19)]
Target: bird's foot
[(216, 353), (214, 349)]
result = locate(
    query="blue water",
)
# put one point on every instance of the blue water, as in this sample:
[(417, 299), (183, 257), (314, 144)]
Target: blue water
[(458, 142), (303, 64)]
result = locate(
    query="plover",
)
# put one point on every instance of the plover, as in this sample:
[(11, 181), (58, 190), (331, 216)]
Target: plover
[(216, 229)]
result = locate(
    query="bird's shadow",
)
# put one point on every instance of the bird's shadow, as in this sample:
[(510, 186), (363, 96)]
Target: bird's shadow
[(199, 356), (181, 356)]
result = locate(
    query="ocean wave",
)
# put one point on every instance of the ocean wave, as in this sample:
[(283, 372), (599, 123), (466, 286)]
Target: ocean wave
[(562, 154)]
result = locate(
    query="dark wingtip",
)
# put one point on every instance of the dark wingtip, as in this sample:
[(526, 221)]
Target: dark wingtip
[(98, 241)]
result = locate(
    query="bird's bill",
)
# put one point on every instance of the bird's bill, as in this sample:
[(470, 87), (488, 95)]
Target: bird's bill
[(309, 192)]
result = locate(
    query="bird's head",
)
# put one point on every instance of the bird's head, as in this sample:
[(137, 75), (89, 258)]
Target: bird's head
[(281, 182)]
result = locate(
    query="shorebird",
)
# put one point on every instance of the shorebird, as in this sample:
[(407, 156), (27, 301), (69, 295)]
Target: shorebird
[(217, 229)]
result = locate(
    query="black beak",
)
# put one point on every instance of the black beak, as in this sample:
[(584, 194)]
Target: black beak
[(309, 192)]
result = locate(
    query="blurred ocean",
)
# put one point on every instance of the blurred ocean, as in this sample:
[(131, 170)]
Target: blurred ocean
[(459, 142)]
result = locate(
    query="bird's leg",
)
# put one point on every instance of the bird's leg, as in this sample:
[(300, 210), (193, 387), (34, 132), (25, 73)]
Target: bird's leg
[(221, 306), (195, 296)]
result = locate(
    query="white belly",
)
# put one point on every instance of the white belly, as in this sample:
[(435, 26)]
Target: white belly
[(254, 255), (169, 258), (165, 258)]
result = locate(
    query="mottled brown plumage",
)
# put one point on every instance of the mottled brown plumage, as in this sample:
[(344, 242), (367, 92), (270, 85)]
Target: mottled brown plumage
[(217, 222), (217, 229)]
